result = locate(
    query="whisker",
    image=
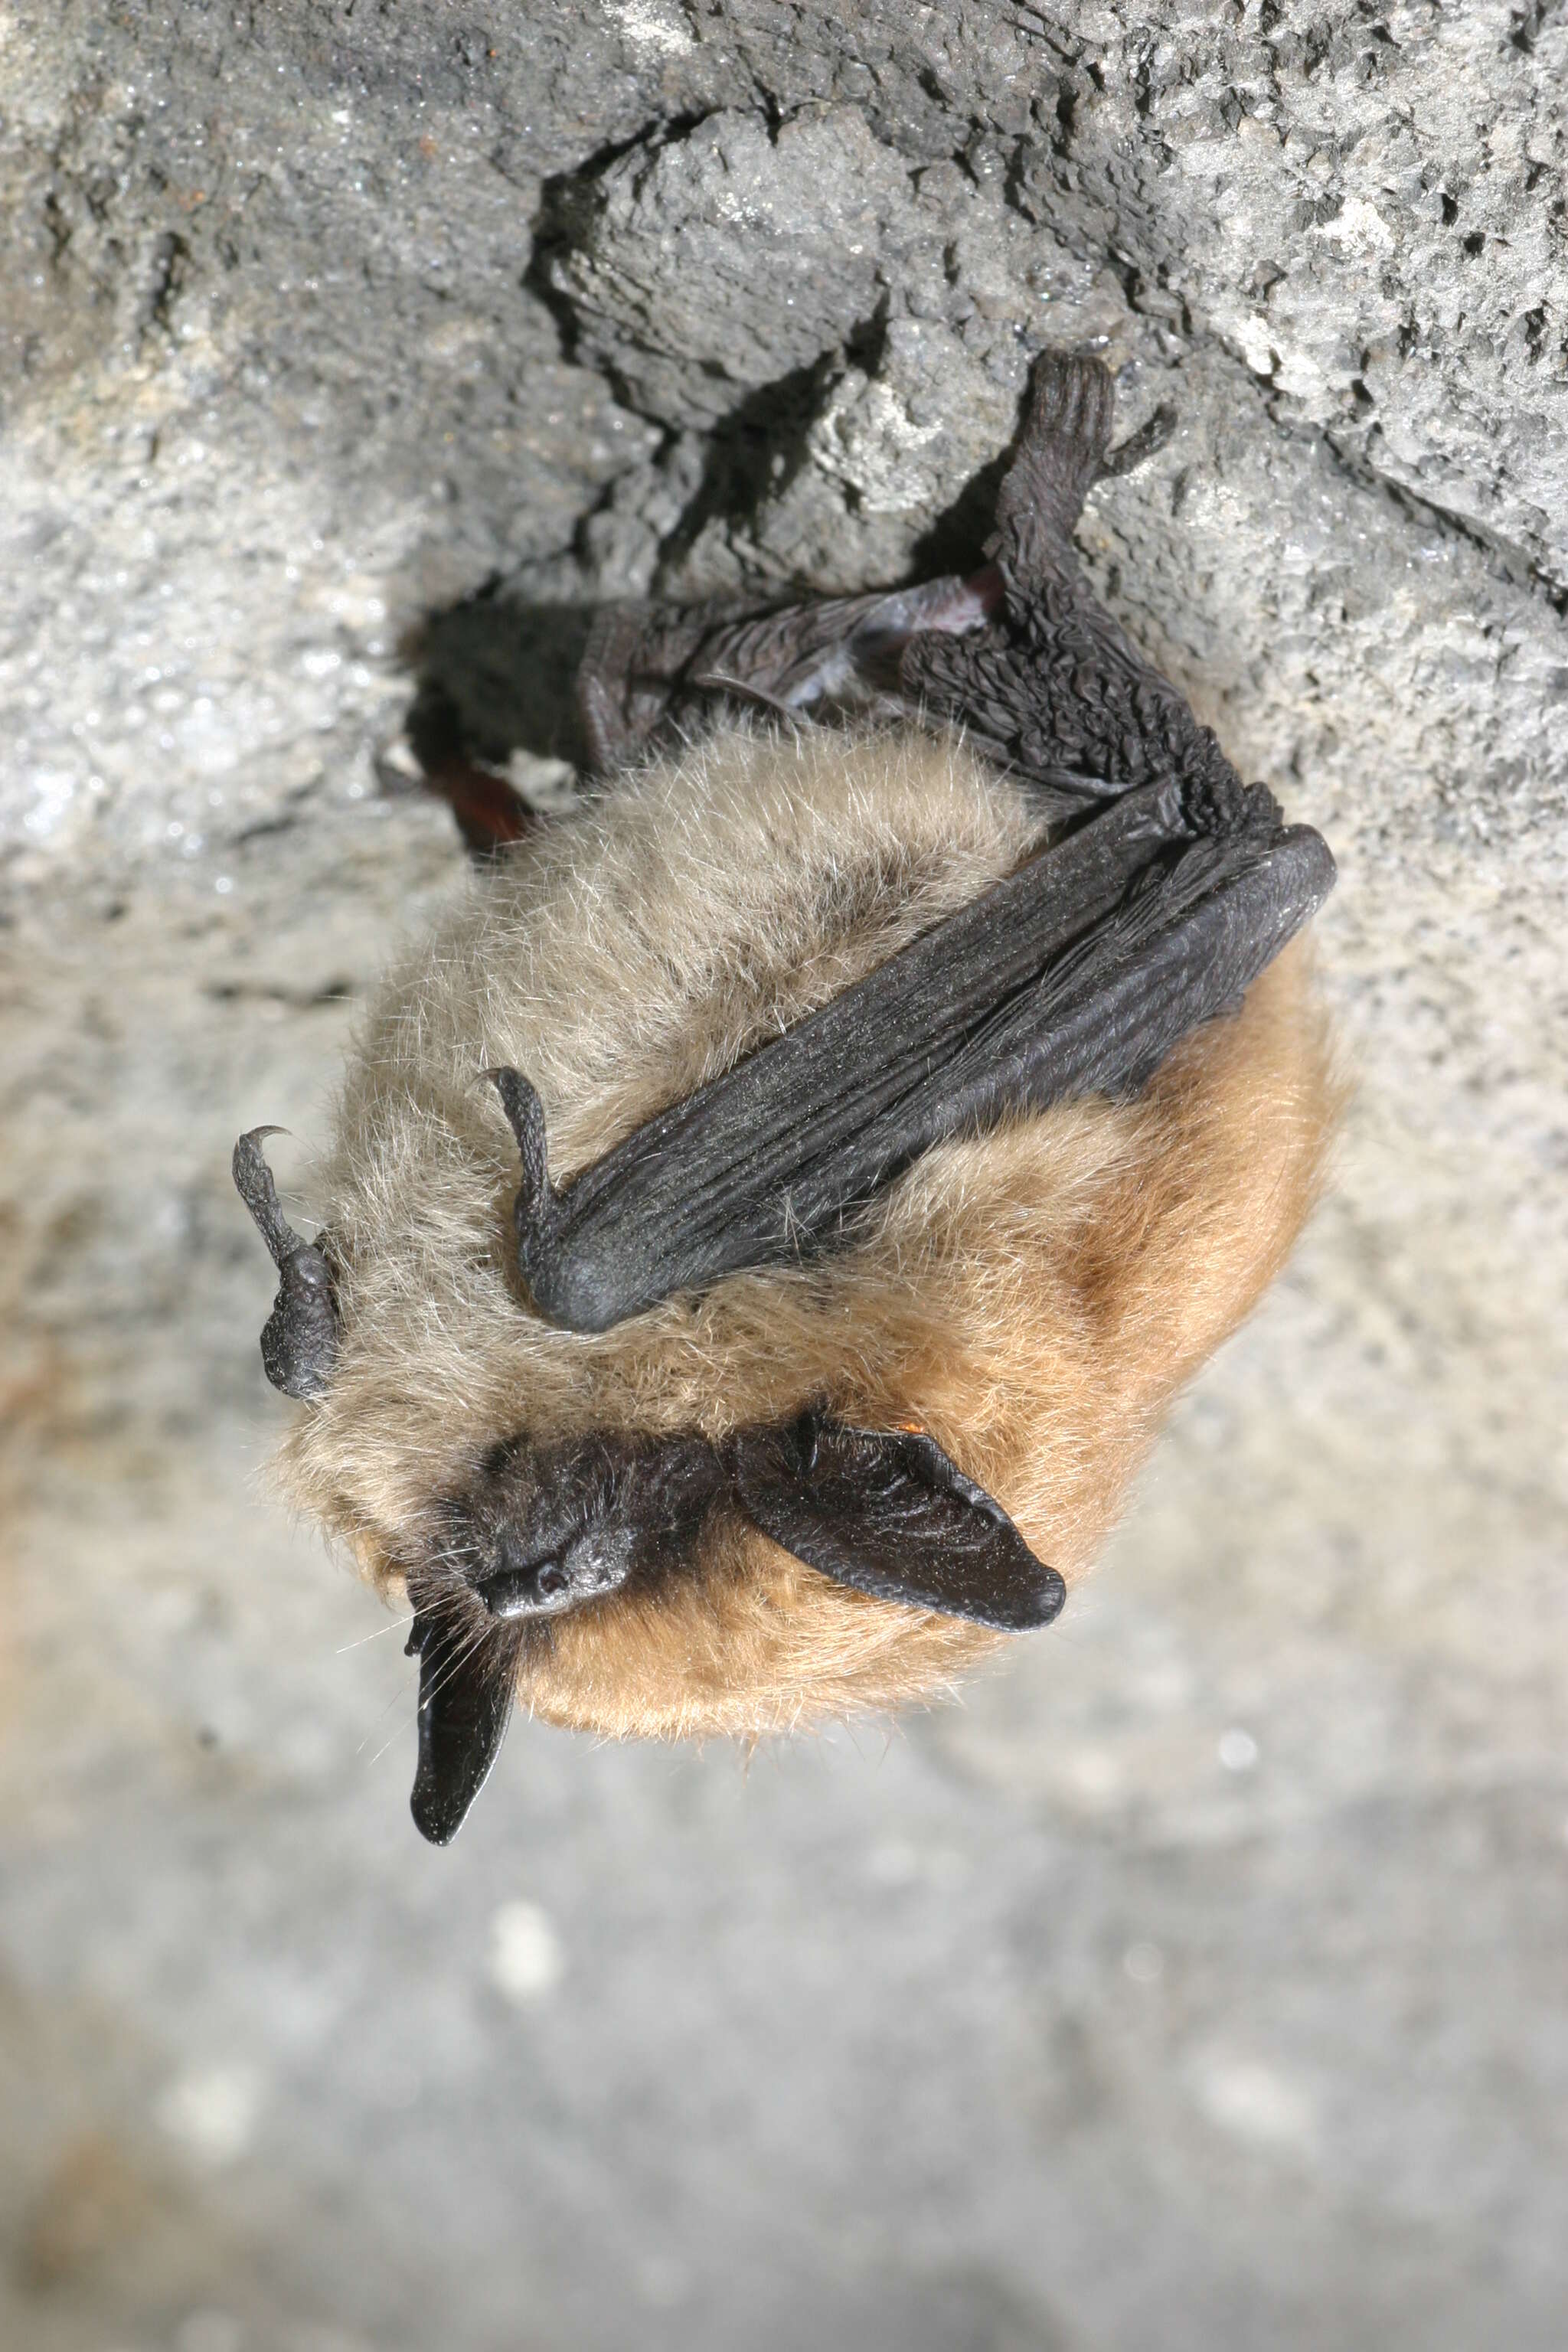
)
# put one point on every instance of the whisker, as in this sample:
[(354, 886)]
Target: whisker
[(381, 1715), (460, 1658), (398, 1625), (388, 1740), (475, 1641)]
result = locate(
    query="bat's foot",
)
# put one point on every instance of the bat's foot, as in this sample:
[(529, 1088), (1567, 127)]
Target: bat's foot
[(299, 1337), (1071, 402), (1060, 456)]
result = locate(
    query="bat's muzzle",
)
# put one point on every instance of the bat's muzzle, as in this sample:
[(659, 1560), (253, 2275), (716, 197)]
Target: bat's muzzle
[(299, 1337)]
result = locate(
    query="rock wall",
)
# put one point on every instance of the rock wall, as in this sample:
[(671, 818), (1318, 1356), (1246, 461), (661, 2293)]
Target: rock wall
[(1199, 1979)]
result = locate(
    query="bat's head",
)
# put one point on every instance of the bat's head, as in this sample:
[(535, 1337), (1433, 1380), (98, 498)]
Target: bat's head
[(802, 1488), (535, 1533)]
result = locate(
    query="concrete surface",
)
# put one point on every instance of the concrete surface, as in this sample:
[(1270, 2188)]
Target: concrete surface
[(1199, 1981)]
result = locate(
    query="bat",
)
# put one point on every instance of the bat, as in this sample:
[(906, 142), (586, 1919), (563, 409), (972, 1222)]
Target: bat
[(769, 1215)]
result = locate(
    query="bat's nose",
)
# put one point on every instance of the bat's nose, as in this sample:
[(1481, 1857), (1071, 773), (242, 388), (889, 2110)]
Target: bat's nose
[(536, 1589), (544, 1585)]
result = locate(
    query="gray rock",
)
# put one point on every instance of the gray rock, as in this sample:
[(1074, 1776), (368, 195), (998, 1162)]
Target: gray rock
[(1198, 1982)]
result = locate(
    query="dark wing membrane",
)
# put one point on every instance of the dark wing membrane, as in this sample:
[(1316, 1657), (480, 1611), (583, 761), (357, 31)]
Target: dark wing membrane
[(645, 667), (1019, 653), (1075, 976), (890, 1514), (466, 1683), (1051, 689)]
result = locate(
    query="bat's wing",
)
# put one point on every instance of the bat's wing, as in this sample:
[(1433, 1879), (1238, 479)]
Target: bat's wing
[(1020, 654), (1075, 976), (890, 1514), (644, 669), (1050, 688), (465, 1686)]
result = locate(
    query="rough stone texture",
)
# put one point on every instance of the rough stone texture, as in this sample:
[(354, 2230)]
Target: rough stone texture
[(1199, 1981)]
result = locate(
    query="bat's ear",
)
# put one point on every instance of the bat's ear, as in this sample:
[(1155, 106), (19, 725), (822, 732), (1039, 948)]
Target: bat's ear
[(890, 1514), (466, 1690)]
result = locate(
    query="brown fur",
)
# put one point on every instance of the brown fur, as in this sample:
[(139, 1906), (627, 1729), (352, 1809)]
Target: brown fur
[(1033, 1298)]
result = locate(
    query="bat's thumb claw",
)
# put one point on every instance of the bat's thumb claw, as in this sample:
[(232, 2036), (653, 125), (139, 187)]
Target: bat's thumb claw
[(535, 1212), (253, 1181)]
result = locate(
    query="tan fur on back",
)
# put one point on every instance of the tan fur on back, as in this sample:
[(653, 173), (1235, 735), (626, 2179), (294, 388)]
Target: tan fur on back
[(1033, 1297)]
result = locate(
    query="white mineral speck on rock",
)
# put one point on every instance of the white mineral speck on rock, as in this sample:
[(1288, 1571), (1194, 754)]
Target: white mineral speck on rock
[(526, 1958), (1258, 2103), (212, 2111), (652, 28)]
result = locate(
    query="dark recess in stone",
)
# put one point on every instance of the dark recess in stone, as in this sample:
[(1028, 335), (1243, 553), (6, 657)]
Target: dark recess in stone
[(497, 676)]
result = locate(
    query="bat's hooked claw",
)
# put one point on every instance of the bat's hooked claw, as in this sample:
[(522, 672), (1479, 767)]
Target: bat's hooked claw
[(556, 1285), (1151, 436), (299, 1337)]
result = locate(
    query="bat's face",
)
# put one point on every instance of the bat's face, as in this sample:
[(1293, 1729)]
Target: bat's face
[(537, 1533), (543, 1529)]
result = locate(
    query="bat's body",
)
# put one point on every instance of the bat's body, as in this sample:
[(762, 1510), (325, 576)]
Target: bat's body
[(884, 1168)]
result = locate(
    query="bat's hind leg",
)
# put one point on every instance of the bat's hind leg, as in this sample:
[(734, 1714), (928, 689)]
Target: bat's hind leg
[(1020, 656), (1052, 689), (1061, 454), (1063, 450)]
